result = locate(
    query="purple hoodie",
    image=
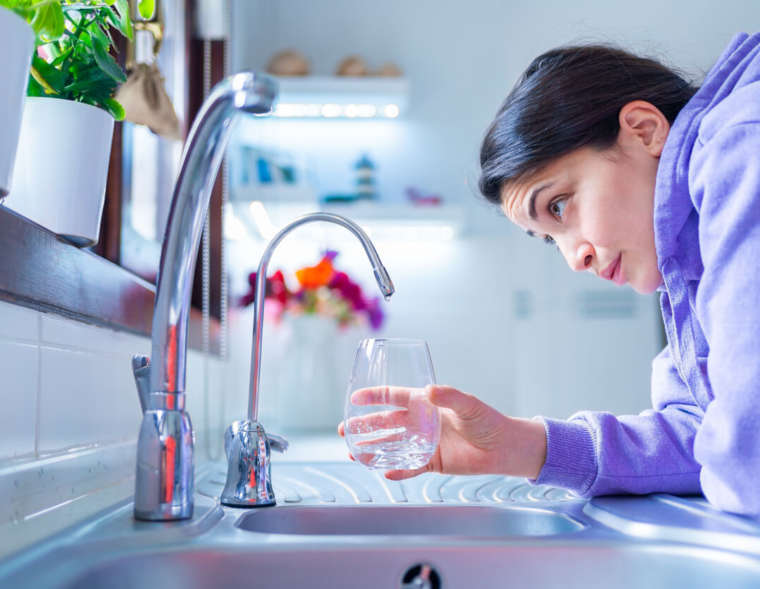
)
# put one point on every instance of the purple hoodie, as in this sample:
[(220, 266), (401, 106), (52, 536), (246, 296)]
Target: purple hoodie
[(703, 433)]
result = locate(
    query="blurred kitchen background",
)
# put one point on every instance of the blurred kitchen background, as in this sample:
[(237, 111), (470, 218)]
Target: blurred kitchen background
[(396, 149)]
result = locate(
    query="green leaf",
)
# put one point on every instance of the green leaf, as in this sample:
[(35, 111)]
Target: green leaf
[(112, 19), (81, 90), (62, 56), (106, 62), (90, 77), (121, 22), (115, 108), (53, 77), (97, 32), (15, 6), (85, 39), (47, 21), (146, 8), (34, 88)]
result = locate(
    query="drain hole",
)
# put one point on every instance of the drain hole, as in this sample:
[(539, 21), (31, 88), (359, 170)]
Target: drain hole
[(421, 576)]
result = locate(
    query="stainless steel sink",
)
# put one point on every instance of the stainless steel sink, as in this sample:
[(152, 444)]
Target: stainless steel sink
[(567, 566), (409, 520), (339, 525)]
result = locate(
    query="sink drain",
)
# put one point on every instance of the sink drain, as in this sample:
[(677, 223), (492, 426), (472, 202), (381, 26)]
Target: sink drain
[(421, 576)]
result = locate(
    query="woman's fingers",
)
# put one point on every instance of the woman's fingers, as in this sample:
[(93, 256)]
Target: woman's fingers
[(399, 475), (461, 403), (385, 436), (385, 395)]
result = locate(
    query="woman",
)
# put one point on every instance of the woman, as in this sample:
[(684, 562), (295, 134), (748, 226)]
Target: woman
[(641, 179)]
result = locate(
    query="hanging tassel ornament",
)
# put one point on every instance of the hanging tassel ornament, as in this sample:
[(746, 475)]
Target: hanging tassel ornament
[(143, 95)]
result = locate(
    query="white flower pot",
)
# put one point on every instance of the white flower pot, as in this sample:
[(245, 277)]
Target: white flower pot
[(306, 366), (62, 167), (16, 47), (315, 377)]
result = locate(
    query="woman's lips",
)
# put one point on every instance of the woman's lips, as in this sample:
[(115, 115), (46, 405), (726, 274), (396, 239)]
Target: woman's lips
[(614, 271), (617, 274)]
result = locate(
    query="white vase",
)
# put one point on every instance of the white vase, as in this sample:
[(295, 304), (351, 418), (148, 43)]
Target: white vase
[(62, 167), (315, 373), (305, 369), (16, 47), (309, 399)]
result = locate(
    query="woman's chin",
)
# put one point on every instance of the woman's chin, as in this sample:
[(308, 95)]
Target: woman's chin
[(647, 284)]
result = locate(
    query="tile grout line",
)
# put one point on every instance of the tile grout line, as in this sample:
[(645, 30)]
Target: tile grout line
[(39, 389)]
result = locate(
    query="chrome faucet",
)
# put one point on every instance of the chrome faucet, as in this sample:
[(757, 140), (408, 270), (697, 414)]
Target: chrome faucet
[(164, 483), (249, 476)]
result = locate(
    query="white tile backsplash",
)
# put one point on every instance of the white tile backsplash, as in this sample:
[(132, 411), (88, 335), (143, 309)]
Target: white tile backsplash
[(67, 384), (18, 398), (58, 331), (85, 398), (19, 323)]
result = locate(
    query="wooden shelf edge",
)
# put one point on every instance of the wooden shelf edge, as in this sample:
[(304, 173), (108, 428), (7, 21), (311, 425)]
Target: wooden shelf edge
[(42, 271)]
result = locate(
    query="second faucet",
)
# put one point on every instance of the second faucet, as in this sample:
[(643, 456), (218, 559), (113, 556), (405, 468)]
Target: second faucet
[(249, 480)]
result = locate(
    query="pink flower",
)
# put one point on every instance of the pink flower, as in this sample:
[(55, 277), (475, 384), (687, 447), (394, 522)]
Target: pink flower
[(334, 295)]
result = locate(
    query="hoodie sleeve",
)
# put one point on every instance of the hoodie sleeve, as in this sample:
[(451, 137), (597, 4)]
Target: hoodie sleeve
[(725, 186), (597, 453)]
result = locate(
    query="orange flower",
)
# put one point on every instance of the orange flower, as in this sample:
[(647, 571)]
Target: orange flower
[(316, 276)]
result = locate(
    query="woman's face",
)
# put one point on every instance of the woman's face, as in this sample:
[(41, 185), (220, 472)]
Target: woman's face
[(597, 206)]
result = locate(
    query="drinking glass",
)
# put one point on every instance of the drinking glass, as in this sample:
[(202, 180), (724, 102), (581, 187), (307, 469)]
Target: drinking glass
[(389, 421)]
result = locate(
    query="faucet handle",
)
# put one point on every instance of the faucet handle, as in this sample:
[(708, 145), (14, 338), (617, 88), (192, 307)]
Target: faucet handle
[(141, 372), (279, 443), (276, 442)]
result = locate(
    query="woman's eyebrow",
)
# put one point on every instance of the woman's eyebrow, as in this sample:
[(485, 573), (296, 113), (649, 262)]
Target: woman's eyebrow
[(532, 202)]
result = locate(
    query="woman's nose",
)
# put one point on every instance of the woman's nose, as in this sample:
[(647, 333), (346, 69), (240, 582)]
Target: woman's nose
[(582, 258)]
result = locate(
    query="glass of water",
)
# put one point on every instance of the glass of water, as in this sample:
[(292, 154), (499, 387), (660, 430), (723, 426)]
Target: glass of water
[(389, 420)]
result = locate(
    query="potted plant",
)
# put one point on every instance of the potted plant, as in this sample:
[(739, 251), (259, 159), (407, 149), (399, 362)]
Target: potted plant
[(16, 46), (65, 143)]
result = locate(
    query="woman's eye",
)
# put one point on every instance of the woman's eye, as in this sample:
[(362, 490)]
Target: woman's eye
[(557, 208)]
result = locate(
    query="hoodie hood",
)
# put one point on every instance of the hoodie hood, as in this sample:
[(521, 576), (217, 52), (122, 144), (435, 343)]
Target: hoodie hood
[(738, 66)]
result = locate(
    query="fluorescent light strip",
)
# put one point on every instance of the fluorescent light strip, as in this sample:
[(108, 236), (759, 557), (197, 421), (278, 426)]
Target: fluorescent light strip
[(333, 110)]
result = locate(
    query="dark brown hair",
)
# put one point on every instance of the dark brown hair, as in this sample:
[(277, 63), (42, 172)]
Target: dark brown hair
[(569, 98)]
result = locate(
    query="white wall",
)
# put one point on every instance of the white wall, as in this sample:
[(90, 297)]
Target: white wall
[(461, 59)]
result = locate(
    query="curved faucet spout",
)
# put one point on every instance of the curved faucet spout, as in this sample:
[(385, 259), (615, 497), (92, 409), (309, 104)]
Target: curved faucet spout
[(381, 275), (247, 92)]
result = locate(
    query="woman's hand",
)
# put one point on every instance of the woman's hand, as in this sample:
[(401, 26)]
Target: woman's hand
[(478, 439)]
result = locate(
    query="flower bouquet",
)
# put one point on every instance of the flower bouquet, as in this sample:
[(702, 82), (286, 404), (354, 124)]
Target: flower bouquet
[(322, 290)]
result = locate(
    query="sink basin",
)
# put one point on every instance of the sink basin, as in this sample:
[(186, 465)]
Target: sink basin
[(408, 520), (567, 566), (338, 525)]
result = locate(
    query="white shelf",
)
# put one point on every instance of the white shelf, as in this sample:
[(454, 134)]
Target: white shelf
[(350, 96), (381, 220)]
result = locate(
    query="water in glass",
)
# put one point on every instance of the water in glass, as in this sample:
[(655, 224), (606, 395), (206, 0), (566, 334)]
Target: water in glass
[(389, 421)]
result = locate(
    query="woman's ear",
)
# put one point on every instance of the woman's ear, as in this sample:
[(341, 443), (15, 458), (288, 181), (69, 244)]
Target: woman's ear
[(644, 125)]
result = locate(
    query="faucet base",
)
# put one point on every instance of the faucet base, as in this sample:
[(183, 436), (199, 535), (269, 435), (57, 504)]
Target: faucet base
[(166, 513), (256, 503), (249, 473), (164, 481)]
